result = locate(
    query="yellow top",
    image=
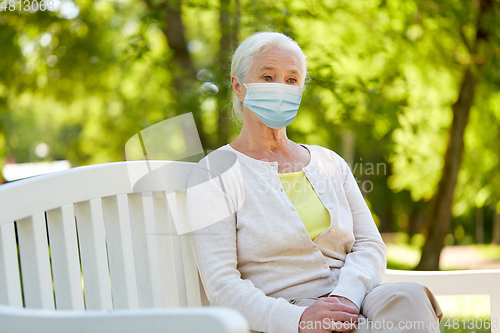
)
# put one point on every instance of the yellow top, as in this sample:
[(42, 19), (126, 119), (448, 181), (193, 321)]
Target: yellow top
[(312, 212)]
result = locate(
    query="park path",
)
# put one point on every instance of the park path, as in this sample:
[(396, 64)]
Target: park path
[(465, 257)]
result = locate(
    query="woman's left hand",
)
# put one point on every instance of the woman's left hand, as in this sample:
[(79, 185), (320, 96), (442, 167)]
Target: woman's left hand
[(348, 302)]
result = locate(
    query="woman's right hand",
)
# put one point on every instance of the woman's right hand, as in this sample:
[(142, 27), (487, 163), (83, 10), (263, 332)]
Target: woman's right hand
[(328, 314)]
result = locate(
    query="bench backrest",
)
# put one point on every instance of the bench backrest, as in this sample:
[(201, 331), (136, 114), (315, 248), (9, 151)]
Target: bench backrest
[(82, 239), (97, 237)]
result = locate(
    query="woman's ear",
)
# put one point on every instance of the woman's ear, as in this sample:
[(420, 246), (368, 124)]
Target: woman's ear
[(238, 88)]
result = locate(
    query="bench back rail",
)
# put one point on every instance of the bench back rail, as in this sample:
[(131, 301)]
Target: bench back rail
[(81, 239)]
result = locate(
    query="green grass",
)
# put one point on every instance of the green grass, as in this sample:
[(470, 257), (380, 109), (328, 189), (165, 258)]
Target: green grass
[(402, 256), (488, 251), (465, 325)]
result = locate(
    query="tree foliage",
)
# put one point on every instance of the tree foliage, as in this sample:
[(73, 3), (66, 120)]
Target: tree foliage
[(385, 75)]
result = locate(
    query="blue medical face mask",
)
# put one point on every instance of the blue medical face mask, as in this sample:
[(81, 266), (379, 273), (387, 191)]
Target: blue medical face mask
[(276, 104)]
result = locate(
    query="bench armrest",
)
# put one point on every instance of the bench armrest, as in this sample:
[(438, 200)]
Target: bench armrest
[(174, 320)]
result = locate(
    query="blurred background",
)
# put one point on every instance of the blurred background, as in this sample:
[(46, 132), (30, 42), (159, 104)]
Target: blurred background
[(408, 92)]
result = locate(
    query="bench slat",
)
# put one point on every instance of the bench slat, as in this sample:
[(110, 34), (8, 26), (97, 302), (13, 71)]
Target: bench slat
[(189, 264), (165, 234), (10, 282), (120, 252), (473, 282), (90, 226), (187, 272), (65, 258), (152, 242), (35, 263), (145, 282), (175, 225), (191, 273)]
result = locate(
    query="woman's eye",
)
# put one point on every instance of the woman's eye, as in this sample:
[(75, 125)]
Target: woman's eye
[(267, 78), (292, 80)]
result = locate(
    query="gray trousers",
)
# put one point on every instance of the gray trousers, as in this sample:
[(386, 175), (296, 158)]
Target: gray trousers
[(394, 307)]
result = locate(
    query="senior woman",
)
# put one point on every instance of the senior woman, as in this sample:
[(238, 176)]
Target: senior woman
[(280, 230)]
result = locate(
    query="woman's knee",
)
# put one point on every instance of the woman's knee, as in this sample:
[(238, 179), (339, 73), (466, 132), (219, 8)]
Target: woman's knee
[(402, 301), (398, 292), (408, 288), (397, 288)]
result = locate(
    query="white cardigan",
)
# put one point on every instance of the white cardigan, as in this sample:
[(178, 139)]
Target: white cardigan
[(253, 251)]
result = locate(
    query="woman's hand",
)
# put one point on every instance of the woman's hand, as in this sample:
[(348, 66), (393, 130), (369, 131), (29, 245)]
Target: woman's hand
[(329, 314), (346, 301)]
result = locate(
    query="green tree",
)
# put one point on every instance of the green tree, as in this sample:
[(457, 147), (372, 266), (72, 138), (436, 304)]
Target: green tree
[(479, 48)]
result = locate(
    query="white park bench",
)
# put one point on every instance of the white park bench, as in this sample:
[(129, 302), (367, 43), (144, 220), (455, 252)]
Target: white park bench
[(85, 227)]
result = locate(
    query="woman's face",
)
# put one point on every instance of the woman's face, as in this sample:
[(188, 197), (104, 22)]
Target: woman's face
[(273, 65)]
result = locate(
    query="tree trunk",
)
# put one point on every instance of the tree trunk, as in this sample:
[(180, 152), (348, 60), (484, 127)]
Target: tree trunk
[(228, 22), (438, 223), (180, 65), (417, 218), (495, 237), (479, 225), (386, 219), (439, 219), (348, 144)]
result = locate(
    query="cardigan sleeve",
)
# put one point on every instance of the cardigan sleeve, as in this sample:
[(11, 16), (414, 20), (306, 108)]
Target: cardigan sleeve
[(212, 201), (365, 264)]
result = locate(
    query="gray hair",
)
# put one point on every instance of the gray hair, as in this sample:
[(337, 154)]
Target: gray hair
[(254, 45)]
